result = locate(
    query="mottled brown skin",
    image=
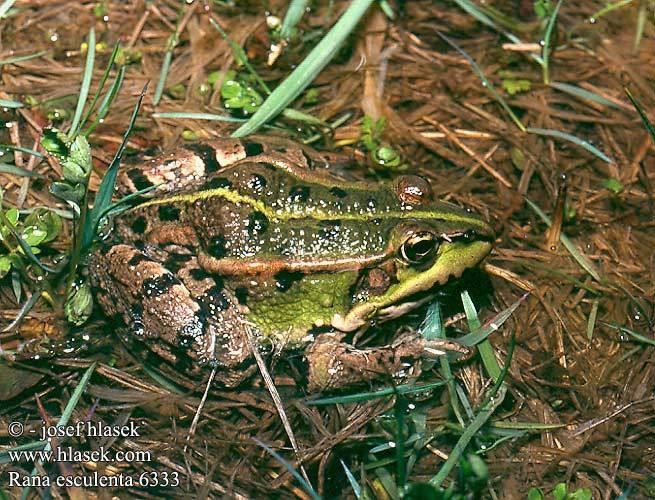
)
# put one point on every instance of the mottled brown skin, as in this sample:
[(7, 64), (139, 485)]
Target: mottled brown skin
[(259, 234)]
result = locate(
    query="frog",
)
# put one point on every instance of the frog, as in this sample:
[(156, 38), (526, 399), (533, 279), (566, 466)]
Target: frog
[(258, 243)]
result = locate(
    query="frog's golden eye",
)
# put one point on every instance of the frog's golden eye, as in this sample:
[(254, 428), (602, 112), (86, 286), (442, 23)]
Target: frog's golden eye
[(419, 248)]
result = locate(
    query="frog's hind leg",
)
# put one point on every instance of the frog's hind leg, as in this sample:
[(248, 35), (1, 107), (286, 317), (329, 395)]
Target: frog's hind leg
[(333, 363), (223, 321), (152, 301)]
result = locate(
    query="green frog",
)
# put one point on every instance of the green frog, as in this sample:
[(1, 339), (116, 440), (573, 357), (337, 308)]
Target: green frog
[(258, 242)]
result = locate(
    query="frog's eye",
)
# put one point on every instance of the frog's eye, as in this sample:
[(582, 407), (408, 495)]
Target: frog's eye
[(419, 248)]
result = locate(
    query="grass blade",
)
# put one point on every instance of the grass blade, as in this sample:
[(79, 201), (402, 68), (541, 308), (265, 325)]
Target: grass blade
[(433, 328), (9, 147), (106, 189), (293, 16), (484, 348), (571, 138), (66, 415), (6, 103), (609, 8), (165, 66), (241, 57), (198, 116), (308, 487), (591, 322), (493, 400), (546, 49), (478, 71), (481, 333), (474, 11), (101, 86), (576, 91), (367, 396), (25, 308), (640, 109), (86, 84), (17, 59), (5, 6), (641, 24), (307, 70), (107, 101), (357, 489), (579, 257), (6, 168), (626, 331)]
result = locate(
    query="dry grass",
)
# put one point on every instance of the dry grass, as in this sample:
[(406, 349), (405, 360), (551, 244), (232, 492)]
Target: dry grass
[(453, 130)]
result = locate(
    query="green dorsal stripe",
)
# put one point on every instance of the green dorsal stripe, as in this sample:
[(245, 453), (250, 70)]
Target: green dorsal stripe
[(237, 198)]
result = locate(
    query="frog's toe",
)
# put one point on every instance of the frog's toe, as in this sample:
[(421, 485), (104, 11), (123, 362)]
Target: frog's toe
[(333, 364)]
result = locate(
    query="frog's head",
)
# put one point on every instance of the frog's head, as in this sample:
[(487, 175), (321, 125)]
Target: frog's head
[(431, 243)]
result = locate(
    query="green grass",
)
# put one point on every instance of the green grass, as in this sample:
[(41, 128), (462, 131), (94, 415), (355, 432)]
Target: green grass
[(65, 417), (27, 57), (172, 42), (547, 49), (292, 17), (579, 257), (87, 75), (307, 70)]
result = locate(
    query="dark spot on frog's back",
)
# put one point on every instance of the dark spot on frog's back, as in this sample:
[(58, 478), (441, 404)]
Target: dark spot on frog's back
[(241, 293), (214, 300), (257, 223), (338, 192), (159, 285), (139, 180), (299, 194), (175, 261), (257, 183), (330, 228), (136, 259), (168, 213), (253, 148), (139, 225), (219, 183), (208, 155), (285, 279), (198, 274), (216, 247)]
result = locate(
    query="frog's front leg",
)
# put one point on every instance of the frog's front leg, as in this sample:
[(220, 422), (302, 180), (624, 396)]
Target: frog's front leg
[(333, 363)]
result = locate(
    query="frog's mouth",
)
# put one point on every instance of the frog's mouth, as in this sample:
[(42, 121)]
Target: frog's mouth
[(414, 287)]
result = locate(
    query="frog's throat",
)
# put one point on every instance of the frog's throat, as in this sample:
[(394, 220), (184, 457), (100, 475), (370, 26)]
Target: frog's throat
[(452, 263)]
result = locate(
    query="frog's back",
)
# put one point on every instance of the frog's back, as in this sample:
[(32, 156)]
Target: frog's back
[(267, 206)]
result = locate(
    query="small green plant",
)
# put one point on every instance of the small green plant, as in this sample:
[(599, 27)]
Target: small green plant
[(560, 492), (543, 8), (515, 86), (471, 480), (36, 230), (383, 156), (75, 159), (21, 240), (613, 185), (239, 97)]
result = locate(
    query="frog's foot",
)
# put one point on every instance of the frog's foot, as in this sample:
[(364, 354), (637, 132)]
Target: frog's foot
[(223, 322), (333, 363), (152, 301)]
